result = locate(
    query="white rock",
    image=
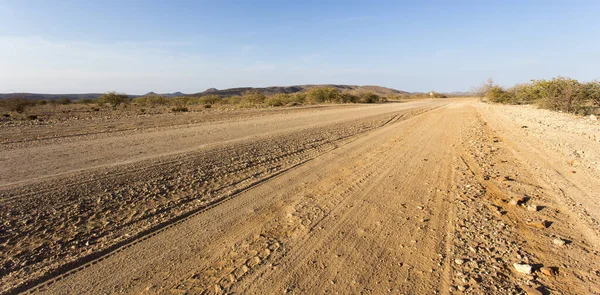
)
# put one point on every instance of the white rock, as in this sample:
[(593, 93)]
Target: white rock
[(532, 208), (523, 268), (593, 118), (459, 261), (559, 242)]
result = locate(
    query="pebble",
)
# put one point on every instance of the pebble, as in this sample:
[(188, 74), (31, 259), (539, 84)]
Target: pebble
[(548, 271), (523, 268), (532, 208), (593, 117), (517, 200), (459, 261), (559, 242), (539, 224), (531, 291)]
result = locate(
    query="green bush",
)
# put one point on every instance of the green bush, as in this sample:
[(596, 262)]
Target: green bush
[(232, 100), (62, 101), (18, 104), (561, 94), (278, 100), (592, 91), (209, 99), (151, 100), (322, 95), (84, 101), (179, 109), (113, 98), (347, 97), (369, 97), (252, 98), (498, 94), (558, 94)]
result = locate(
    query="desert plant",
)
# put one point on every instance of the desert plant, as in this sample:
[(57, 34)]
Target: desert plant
[(84, 101), (347, 97), (277, 100), (113, 98), (369, 97), (561, 94), (179, 109), (498, 94), (322, 94), (209, 99), (592, 90), (62, 101), (252, 98), (151, 100), (232, 100), (17, 104)]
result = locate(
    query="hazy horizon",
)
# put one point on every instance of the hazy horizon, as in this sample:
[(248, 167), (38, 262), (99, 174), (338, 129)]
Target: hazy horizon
[(137, 47)]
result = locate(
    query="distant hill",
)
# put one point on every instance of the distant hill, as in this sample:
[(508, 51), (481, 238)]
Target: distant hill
[(384, 91), (37, 96), (355, 89), (45, 96)]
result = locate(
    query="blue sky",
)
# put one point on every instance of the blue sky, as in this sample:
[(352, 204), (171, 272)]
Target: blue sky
[(167, 46)]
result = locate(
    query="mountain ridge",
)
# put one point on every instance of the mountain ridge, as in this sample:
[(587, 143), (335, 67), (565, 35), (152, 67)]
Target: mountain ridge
[(380, 90)]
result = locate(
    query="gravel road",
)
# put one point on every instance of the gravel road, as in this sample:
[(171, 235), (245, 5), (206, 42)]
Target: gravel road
[(430, 196)]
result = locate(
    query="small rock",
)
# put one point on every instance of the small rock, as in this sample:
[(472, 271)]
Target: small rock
[(593, 118), (531, 291), (459, 261), (523, 268), (517, 200), (559, 242), (539, 224), (532, 208), (548, 271)]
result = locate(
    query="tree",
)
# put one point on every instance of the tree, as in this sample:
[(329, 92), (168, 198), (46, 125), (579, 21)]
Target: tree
[(113, 98), (323, 94), (593, 92), (483, 89)]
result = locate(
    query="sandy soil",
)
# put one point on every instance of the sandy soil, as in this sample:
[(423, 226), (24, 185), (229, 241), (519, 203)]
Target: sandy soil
[(431, 196)]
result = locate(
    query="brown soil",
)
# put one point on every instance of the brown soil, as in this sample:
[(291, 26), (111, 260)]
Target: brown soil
[(404, 198)]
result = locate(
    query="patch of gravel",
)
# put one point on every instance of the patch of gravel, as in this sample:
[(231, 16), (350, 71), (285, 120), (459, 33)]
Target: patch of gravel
[(576, 137)]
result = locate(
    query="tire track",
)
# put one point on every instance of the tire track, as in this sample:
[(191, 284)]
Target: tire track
[(89, 260)]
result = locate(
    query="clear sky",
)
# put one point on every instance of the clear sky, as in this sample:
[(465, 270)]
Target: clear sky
[(166, 46)]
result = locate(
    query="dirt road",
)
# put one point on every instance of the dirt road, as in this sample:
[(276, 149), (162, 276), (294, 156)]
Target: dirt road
[(402, 198)]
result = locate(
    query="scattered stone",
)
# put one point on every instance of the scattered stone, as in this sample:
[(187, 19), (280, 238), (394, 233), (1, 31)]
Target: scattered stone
[(532, 207), (559, 242), (523, 268), (459, 261), (593, 118), (531, 291), (549, 271), (517, 200), (539, 224)]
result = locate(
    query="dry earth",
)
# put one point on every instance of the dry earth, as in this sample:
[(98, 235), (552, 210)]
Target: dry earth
[(425, 197)]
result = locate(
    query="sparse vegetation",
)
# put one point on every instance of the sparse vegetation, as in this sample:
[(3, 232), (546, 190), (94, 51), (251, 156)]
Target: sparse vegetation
[(558, 94), (61, 101), (179, 109), (152, 103), (113, 98), (18, 104)]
